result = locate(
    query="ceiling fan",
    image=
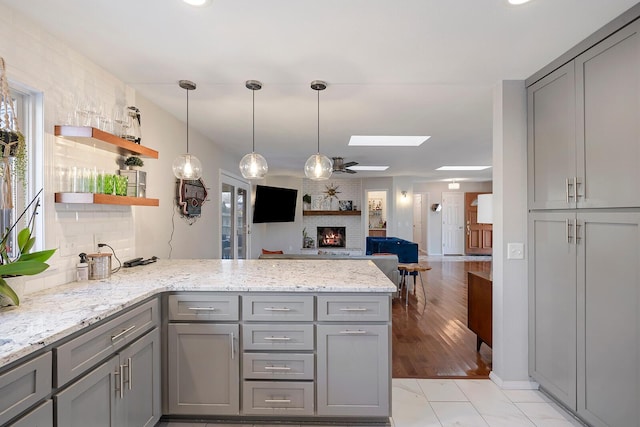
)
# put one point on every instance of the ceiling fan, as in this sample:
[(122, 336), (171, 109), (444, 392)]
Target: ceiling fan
[(340, 166)]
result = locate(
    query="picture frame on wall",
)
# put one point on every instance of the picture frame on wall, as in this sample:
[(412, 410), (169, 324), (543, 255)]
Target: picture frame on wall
[(345, 205)]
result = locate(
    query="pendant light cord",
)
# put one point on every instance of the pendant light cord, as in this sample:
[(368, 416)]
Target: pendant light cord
[(318, 121), (187, 121), (253, 120)]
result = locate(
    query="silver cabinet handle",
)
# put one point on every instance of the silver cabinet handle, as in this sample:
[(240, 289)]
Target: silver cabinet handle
[(120, 384), (566, 187), (575, 231), (575, 189), (129, 329), (353, 309), (568, 229), (277, 368), (233, 346), (277, 309), (130, 368), (203, 308), (277, 338), (277, 401), (356, 332)]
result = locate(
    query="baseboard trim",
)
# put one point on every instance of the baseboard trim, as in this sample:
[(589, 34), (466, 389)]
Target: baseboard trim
[(513, 385)]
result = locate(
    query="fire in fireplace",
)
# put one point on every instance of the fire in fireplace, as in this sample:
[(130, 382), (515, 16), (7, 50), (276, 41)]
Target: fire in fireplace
[(332, 237)]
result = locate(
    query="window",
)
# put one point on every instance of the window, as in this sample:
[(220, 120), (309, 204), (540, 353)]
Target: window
[(19, 194)]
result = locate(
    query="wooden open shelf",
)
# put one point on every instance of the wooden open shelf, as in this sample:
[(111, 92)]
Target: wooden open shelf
[(105, 199), (105, 141), (318, 213)]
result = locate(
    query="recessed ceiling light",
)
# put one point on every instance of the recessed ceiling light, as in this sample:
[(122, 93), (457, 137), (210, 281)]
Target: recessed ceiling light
[(386, 141), (368, 168), (197, 2), (462, 168), (518, 1)]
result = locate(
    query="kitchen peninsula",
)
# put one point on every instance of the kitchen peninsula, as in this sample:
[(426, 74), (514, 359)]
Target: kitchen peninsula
[(308, 340)]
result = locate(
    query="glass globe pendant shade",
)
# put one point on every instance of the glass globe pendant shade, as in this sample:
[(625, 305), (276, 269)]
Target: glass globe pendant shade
[(318, 167), (187, 166), (253, 166)]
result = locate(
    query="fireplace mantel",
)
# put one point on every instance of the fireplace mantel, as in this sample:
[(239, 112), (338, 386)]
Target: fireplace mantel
[(318, 213)]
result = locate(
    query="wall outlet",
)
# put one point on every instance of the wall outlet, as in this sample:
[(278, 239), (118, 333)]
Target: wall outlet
[(515, 250)]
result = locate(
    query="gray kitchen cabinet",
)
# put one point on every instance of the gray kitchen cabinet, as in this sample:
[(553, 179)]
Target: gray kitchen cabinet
[(42, 416), (551, 140), (141, 370), (203, 369), (122, 392), (24, 386), (552, 303), (92, 401), (609, 318), (608, 135), (584, 328), (353, 370)]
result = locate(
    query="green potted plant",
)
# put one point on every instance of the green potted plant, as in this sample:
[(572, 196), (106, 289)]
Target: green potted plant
[(26, 263), (133, 161)]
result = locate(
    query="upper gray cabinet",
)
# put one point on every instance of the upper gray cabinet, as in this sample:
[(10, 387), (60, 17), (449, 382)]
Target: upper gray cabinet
[(551, 140), (607, 123), (583, 129)]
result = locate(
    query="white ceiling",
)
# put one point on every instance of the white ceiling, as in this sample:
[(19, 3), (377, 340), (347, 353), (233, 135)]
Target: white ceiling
[(393, 67)]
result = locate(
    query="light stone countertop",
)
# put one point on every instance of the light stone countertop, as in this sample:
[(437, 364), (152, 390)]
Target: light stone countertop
[(48, 316)]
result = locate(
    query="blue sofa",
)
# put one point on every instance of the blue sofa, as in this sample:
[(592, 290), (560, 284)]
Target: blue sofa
[(406, 251)]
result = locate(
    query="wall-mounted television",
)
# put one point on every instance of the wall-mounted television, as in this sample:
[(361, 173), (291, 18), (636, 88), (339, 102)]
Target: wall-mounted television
[(274, 204)]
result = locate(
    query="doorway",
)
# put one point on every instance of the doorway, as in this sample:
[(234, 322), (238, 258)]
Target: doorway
[(479, 240), (234, 226), (420, 221), (452, 223), (376, 213)]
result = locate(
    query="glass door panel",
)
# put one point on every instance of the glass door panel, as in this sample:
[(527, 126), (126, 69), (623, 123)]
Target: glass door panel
[(234, 226)]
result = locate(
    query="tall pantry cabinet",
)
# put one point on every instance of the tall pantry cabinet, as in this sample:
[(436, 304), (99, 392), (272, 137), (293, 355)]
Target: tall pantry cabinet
[(584, 231)]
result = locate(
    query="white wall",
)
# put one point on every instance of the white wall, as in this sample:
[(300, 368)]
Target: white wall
[(434, 219), (57, 74), (510, 301)]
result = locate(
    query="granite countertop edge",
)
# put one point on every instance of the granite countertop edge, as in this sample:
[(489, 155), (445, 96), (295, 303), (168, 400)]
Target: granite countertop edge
[(52, 315)]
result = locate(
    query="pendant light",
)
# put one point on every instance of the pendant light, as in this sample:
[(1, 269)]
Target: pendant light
[(253, 165), (318, 167), (187, 166)]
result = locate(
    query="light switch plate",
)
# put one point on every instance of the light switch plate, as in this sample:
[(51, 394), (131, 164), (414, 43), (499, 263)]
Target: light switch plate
[(515, 250)]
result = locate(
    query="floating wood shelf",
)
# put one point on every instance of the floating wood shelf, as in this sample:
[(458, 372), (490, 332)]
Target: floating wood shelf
[(105, 141), (105, 199), (318, 213)]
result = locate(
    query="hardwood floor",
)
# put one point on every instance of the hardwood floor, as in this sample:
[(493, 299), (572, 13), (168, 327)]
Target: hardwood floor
[(431, 338)]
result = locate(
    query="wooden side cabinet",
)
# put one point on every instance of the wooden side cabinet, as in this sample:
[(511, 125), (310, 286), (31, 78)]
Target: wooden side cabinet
[(480, 306)]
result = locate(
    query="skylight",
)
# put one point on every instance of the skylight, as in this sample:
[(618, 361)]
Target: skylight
[(368, 168), (462, 168), (386, 141)]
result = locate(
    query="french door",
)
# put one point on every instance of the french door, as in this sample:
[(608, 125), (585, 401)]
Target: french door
[(234, 218)]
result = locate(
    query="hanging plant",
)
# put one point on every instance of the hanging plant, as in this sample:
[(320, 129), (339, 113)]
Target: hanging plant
[(12, 142)]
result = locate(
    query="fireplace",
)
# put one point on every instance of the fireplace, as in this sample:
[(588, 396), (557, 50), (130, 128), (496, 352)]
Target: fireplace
[(332, 237)]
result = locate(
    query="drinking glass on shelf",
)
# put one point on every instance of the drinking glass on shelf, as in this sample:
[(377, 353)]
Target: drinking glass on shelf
[(120, 118), (109, 183), (121, 185), (84, 111), (100, 181)]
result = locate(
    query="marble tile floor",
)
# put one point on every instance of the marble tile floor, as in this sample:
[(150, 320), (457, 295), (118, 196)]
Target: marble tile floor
[(460, 403)]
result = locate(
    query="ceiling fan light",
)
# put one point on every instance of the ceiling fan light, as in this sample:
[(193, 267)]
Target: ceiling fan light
[(187, 166), (318, 167), (253, 166)]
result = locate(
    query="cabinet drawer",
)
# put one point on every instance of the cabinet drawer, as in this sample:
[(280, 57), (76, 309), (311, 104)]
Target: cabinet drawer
[(87, 350), (374, 308), (42, 416), (197, 306), (277, 337), (277, 398), (277, 308), (24, 386), (277, 366)]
